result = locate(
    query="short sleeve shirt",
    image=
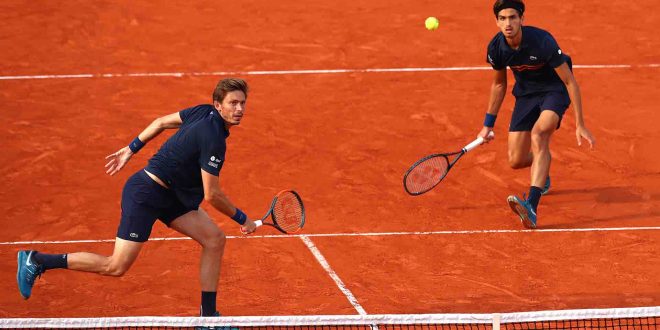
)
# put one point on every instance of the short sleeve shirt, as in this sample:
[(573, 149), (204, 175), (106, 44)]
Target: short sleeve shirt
[(199, 144), (533, 63)]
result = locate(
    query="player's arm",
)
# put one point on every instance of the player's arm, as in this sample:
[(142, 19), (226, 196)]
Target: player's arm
[(118, 160), (567, 77), (497, 93), (214, 196)]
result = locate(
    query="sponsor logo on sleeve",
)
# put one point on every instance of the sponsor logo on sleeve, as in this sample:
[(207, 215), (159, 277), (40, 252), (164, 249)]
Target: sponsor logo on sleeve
[(215, 162), (490, 59)]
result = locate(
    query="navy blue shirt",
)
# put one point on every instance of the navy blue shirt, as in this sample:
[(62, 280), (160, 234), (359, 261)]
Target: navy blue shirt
[(533, 63), (199, 144)]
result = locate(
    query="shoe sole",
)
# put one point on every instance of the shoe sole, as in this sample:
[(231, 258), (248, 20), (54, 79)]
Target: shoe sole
[(18, 272), (521, 211)]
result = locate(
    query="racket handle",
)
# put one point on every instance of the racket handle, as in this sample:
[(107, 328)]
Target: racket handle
[(259, 223), (473, 144), (477, 142)]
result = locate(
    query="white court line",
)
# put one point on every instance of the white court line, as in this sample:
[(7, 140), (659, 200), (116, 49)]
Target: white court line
[(340, 284), (400, 233), (293, 72)]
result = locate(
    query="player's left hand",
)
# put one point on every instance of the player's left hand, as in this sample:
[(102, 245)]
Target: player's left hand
[(118, 160), (248, 227), (583, 132), (487, 134)]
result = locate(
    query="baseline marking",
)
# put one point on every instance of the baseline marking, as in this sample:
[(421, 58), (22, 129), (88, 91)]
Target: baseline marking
[(443, 232), (340, 284), (293, 72)]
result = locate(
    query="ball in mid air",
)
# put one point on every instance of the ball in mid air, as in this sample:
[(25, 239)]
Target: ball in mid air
[(432, 23)]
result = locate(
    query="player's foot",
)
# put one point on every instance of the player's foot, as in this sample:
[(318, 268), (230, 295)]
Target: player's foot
[(216, 314), (28, 271), (546, 188), (524, 210)]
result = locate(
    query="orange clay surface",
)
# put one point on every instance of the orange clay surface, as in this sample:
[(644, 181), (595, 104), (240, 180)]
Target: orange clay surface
[(343, 142)]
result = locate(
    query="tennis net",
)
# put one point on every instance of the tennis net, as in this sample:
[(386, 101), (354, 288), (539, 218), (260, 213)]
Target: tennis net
[(616, 318)]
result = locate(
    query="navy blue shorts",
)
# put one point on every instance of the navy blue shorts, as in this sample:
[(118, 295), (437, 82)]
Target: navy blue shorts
[(142, 202), (528, 109)]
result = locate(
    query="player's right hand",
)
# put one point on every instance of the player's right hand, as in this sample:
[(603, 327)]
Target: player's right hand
[(487, 134), (583, 132), (118, 160), (248, 227)]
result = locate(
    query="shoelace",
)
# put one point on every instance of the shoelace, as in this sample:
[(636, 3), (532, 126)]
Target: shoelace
[(526, 201), (34, 272)]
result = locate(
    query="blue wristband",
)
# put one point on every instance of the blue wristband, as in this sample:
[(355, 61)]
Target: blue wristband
[(490, 120), (239, 217), (136, 145)]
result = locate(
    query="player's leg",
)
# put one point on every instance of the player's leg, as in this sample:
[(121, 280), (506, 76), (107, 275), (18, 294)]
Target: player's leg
[(31, 264), (520, 154), (140, 198), (199, 226), (541, 133), (525, 114), (554, 106), (123, 256)]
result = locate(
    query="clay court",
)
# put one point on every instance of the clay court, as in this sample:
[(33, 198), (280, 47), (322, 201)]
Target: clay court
[(345, 95)]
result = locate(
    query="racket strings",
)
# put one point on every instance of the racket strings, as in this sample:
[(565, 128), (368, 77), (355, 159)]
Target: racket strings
[(288, 212), (426, 174)]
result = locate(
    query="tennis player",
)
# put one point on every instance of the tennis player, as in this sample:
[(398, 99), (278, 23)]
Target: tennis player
[(170, 188), (544, 88)]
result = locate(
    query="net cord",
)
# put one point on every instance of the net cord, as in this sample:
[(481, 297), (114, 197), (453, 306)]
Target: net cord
[(329, 320)]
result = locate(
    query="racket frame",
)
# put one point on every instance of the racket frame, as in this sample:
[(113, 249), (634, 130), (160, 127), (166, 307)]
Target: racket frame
[(477, 142), (275, 225)]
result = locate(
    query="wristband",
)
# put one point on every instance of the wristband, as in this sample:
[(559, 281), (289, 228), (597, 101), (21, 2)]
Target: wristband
[(239, 217), (136, 145), (489, 121)]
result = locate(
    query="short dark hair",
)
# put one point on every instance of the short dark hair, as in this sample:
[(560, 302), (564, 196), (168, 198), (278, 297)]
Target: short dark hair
[(229, 85), (518, 5)]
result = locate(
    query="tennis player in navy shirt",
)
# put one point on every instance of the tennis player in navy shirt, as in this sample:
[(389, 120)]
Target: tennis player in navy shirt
[(182, 174), (544, 88)]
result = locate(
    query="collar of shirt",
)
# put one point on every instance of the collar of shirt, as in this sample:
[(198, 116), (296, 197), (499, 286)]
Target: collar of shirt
[(524, 42)]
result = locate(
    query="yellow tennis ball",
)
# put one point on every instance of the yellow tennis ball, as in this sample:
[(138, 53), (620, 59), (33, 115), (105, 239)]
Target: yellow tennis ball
[(432, 23)]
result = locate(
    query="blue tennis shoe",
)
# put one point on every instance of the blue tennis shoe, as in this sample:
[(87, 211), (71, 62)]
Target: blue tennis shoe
[(524, 210), (27, 272), (546, 187)]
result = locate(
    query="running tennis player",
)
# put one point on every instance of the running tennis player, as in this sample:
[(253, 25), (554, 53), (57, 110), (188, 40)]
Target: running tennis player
[(544, 88), (170, 188)]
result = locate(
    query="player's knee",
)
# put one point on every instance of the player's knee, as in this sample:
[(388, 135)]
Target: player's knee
[(540, 140), (116, 270), (517, 160), (517, 164), (215, 240)]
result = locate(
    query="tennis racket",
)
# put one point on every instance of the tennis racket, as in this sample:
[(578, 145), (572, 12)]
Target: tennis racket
[(287, 213), (429, 171)]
